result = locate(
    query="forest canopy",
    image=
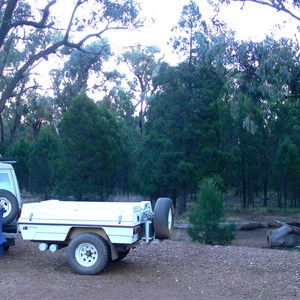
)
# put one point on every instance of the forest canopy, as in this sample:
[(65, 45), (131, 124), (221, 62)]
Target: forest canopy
[(229, 110)]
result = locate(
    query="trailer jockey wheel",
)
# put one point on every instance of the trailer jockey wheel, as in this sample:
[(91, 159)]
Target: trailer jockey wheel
[(163, 218), (88, 254)]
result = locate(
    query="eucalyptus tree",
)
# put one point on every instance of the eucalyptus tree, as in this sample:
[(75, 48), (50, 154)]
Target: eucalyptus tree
[(120, 102), (11, 118), (143, 64), (263, 73), (39, 112), (286, 173), (31, 32), (291, 8), (82, 70), (285, 129), (28, 112)]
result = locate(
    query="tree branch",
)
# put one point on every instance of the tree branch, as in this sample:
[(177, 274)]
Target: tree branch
[(8, 23), (272, 4), (5, 26), (41, 23), (42, 54)]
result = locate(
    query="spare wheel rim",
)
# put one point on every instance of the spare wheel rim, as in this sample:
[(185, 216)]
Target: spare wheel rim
[(170, 219), (86, 254), (6, 205)]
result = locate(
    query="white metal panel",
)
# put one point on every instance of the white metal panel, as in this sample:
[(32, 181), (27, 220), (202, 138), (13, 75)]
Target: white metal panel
[(50, 233), (44, 232), (106, 213)]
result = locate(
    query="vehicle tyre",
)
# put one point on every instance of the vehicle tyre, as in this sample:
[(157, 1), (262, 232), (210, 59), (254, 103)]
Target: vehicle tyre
[(10, 204), (122, 254), (88, 254), (163, 218)]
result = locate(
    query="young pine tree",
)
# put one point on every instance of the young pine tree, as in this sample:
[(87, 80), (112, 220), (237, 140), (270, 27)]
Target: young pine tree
[(206, 215)]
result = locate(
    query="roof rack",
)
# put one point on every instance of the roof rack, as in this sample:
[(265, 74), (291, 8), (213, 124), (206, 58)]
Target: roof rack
[(7, 160)]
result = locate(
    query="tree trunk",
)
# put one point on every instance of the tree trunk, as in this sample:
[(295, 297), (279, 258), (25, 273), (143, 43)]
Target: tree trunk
[(265, 184), (285, 195), (265, 167), (1, 129), (244, 189), (182, 202), (279, 200)]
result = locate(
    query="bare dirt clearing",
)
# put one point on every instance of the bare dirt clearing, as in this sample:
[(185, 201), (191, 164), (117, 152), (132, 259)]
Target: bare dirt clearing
[(174, 269)]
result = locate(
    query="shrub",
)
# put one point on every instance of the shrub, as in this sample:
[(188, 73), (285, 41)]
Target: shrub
[(206, 215)]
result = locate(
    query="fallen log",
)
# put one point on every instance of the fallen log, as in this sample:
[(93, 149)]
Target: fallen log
[(284, 236), (250, 225)]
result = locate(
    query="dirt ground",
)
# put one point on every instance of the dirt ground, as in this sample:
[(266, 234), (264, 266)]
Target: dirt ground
[(172, 269)]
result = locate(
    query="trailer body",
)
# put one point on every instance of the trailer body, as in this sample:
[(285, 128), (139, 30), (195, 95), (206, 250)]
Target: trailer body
[(102, 229)]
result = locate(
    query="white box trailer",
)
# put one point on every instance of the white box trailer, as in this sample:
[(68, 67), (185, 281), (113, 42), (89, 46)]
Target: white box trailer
[(95, 232)]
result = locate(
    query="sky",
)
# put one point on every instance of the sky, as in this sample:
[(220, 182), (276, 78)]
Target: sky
[(252, 22)]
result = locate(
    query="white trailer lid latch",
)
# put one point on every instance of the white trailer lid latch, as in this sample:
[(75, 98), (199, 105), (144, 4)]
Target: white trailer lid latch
[(119, 219)]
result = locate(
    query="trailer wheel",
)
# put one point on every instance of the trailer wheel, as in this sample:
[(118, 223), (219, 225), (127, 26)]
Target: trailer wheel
[(163, 218), (10, 204), (88, 254)]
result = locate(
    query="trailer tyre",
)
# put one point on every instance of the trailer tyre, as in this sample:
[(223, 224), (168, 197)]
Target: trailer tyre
[(163, 218), (10, 204), (88, 254)]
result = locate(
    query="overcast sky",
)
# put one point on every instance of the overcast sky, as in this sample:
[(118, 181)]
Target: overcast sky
[(251, 23)]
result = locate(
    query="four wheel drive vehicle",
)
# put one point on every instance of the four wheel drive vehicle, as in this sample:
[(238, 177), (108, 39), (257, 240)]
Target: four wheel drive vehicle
[(95, 232), (10, 200)]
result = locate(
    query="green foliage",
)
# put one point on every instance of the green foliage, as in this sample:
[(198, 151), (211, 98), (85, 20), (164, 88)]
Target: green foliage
[(119, 102), (2, 149), (230, 108), (185, 31), (39, 161), (182, 138), (144, 66), (30, 33), (89, 156), (261, 113), (206, 215), (75, 75), (286, 169), (20, 152)]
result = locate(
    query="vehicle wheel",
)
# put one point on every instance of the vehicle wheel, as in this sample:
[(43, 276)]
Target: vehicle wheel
[(5, 247), (88, 254), (163, 218), (122, 254), (10, 204)]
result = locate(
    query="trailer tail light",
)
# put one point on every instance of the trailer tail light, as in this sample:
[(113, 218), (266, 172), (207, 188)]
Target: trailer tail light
[(136, 230)]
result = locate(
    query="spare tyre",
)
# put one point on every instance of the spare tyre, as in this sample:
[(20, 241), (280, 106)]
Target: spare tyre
[(10, 204), (163, 218)]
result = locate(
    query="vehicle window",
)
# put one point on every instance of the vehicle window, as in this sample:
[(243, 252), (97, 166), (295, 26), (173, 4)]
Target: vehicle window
[(5, 183)]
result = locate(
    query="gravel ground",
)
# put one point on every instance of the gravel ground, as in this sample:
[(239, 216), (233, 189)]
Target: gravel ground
[(173, 269)]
